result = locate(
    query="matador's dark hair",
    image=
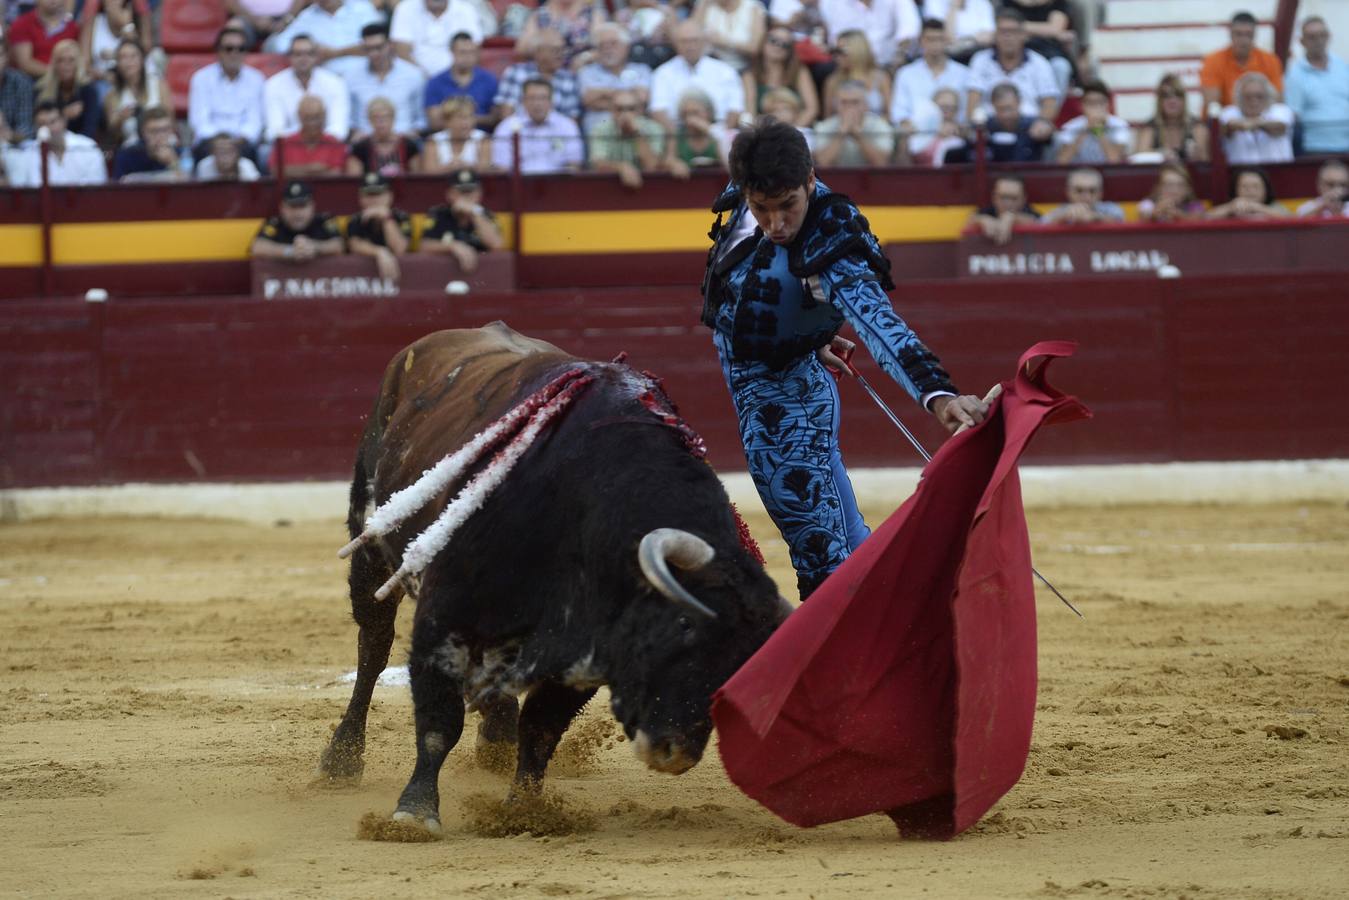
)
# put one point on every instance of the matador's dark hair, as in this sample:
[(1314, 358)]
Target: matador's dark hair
[(771, 158)]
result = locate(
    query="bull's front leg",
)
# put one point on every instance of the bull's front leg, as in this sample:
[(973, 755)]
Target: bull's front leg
[(546, 713), (437, 699), (344, 758)]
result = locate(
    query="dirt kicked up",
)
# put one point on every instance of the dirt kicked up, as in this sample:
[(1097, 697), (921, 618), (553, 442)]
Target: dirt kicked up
[(168, 686)]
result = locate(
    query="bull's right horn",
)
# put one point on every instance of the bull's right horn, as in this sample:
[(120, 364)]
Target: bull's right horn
[(663, 546)]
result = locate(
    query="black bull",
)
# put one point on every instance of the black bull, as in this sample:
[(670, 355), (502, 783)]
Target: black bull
[(541, 592)]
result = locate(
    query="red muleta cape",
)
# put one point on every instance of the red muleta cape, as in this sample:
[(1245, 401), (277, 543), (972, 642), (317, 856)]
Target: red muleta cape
[(906, 684)]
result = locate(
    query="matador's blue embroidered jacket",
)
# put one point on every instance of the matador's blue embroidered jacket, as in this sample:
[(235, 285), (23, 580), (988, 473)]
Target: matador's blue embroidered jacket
[(772, 304)]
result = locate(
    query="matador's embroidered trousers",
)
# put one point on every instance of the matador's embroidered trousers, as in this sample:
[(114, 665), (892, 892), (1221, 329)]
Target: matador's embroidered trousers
[(789, 422)]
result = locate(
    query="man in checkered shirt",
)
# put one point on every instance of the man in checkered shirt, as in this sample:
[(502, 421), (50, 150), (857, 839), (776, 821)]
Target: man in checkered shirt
[(547, 65)]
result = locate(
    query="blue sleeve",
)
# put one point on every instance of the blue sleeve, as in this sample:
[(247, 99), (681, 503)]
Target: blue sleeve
[(853, 289)]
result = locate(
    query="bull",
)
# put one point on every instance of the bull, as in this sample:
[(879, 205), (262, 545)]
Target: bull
[(561, 581)]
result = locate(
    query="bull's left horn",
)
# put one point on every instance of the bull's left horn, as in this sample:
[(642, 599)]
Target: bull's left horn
[(663, 546)]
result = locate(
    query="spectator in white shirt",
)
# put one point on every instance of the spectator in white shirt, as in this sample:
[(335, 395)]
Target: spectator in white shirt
[(225, 163), (71, 158), (919, 80), (335, 27), (282, 93), (1008, 60), (969, 24), (226, 96), (385, 75), (1256, 129), (549, 141), (1096, 136), (890, 25), (422, 29), (693, 68)]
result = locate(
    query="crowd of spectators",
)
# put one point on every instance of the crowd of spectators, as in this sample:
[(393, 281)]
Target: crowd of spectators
[(634, 88)]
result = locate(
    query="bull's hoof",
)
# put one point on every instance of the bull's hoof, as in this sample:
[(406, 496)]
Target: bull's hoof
[(524, 792), (375, 827), (340, 766), (420, 819), (495, 756)]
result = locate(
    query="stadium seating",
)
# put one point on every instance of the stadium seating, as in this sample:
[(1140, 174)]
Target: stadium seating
[(183, 65), (190, 26)]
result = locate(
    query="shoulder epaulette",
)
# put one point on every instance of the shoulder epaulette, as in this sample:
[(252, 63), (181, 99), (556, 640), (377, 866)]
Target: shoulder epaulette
[(834, 229)]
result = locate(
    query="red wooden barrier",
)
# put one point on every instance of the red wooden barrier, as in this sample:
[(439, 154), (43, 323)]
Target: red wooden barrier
[(242, 389)]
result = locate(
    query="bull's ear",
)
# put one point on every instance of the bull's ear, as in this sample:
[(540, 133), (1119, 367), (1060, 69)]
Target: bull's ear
[(663, 546)]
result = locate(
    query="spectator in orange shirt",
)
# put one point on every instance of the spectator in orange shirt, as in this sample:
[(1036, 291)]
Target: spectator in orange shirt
[(1223, 67), (310, 151)]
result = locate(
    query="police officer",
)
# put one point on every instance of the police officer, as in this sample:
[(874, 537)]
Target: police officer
[(297, 232), (379, 229), (790, 265), (462, 227)]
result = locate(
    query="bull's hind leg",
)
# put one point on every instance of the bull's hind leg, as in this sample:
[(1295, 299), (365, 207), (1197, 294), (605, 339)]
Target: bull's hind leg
[(438, 703), (345, 756), (547, 712)]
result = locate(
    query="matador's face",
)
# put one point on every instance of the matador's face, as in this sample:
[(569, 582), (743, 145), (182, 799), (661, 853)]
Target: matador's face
[(781, 216)]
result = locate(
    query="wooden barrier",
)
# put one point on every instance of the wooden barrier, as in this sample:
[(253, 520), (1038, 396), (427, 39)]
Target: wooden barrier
[(1210, 248), (337, 277), (245, 389)]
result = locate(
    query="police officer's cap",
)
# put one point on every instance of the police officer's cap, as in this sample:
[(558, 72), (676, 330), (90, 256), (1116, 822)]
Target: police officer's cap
[(464, 180), (374, 183), (298, 193)]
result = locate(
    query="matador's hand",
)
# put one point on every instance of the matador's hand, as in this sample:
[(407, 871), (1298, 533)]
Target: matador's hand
[(836, 356), (958, 413)]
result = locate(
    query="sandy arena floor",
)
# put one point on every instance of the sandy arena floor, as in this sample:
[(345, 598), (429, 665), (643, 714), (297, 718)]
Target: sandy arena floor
[(168, 686)]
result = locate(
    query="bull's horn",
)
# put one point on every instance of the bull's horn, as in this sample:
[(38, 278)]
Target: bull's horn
[(663, 546)]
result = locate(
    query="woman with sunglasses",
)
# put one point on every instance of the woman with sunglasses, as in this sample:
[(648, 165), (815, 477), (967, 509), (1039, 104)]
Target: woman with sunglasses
[(857, 62), (1172, 131), (777, 66)]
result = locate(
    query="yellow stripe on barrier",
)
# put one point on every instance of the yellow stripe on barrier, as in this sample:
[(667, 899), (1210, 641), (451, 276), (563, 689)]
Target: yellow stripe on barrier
[(20, 245), (666, 230), (916, 224), (620, 231), (183, 240)]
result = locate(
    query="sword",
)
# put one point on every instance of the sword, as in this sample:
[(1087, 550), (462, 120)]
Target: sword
[(922, 451)]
